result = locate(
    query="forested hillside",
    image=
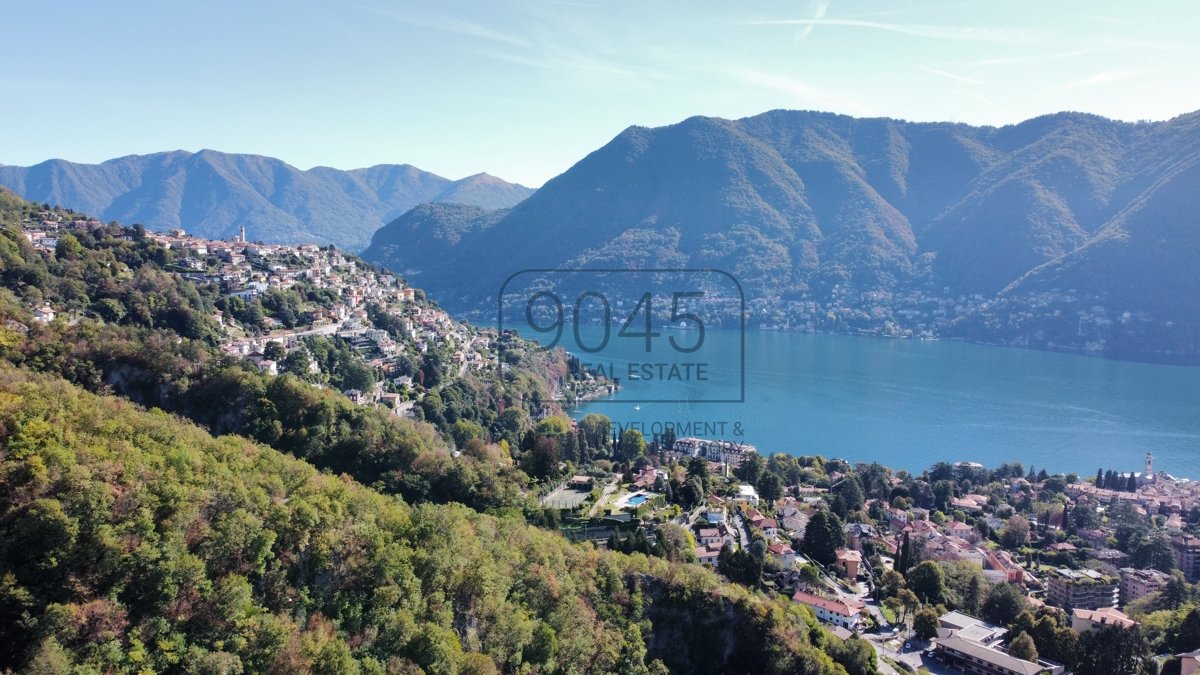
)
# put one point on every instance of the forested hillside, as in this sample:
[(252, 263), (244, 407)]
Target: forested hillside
[(133, 542), (137, 541)]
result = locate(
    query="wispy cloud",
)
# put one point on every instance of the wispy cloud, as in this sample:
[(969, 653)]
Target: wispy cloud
[(819, 9), (928, 31), (453, 25), (1031, 58), (964, 79), (803, 92), (553, 58), (1107, 76)]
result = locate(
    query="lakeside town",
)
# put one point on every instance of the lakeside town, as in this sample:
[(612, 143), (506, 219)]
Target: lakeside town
[(389, 325), (939, 571)]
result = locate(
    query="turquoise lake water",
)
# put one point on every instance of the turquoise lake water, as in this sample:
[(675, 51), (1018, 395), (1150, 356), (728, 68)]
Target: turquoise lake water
[(908, 404)]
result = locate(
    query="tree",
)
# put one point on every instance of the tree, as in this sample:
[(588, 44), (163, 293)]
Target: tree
[(1003, 604), (1177, 592), (751, 468), (692, 493), (542, 461), (891, 582), (856, 655), (908, 600), (1115, 650), (810, 575), (555, 425), (298, 363), (631, 445), (463, 431), (904, 557), (895, 605), (770, 487), (1023, 648), (1154, 551), (1015, 533), (596, 430), (851, 493), (1187, 637), (274, 351), (823, 537), (928, 582), (1083, 515), (943, 492), (68, 248), (925, 623)]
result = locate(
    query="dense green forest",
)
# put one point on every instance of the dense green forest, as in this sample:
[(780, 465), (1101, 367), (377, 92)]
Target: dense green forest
[(133, 541), (228, 529), (140, 332)]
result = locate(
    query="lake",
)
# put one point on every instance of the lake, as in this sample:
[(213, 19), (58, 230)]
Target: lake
[(908, 404)]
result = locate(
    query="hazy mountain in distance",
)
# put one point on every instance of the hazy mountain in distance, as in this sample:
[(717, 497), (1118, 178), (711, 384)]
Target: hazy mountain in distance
[(797, 203), (213, 194)]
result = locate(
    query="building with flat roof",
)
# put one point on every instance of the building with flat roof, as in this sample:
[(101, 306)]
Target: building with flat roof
[(1080, 589), (1187, 556), (1137, 583), (973, 657), (976, 646)]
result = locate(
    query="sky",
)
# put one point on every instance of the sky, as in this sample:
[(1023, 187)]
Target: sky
[(523, 89)]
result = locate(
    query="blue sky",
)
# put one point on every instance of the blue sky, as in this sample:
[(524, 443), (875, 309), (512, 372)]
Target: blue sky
[(524, 88)]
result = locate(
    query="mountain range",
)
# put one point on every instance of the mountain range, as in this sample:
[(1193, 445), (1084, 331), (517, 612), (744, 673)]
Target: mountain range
[(212, 194), (813, 205)]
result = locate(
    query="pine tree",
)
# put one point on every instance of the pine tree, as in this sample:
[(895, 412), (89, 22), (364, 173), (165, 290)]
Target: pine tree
[(1099, 477), (1131, 485), (904, 558)]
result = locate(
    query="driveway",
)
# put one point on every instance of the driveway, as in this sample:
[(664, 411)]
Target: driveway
[(743, 532)]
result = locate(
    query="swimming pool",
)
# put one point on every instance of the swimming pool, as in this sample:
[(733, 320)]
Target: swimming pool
[(637, 499)]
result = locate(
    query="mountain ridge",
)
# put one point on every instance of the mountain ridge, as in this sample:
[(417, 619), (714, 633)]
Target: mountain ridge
[(213, 193), (831, 209)]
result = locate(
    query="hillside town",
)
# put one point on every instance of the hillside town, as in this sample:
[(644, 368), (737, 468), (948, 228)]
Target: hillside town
[(960, 568), (388, 324), (936, 571)]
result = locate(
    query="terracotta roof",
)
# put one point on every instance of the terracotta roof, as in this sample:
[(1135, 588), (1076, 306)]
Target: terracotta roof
[(847, 554), (1107, 616), (835, 606)]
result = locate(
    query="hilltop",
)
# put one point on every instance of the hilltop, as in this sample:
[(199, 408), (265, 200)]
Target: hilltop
[(1009, 234), (213, 193)]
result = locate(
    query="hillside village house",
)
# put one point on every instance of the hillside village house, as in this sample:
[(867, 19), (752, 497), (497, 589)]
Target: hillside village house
[(44, 314), (782, 554), (1084, 620), (848, 562), (835, 612), (708, 555)]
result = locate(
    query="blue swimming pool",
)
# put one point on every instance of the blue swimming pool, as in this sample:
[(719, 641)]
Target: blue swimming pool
[(637, 499)]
